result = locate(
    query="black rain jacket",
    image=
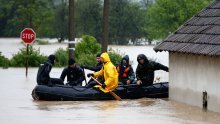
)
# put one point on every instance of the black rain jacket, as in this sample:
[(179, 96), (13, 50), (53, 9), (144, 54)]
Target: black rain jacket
[(145, 72), (43, 74), (75, 75)]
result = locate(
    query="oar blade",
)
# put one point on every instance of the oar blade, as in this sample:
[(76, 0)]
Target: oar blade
[(115, 96)]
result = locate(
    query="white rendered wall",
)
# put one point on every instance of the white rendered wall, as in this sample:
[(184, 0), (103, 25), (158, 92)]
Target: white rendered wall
[(190, 75)]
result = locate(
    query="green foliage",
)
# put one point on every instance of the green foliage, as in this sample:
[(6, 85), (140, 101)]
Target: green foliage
[(49, 18), (126, 20), (114, 56), (18, 14), (88, 17), (136, 17), (86, 59), (86, 50), (61, 57), (85, 53), (61, 21), (34, 58), (4, 62), (165, 16)]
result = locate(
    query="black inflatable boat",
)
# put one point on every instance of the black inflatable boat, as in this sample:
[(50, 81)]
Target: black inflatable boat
[(69, 93)]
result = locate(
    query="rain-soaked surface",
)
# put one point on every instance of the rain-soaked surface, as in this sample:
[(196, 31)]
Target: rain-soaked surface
[(18, 107)]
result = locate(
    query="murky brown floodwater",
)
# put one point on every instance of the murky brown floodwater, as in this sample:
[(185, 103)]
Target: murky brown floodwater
[(18, 107)]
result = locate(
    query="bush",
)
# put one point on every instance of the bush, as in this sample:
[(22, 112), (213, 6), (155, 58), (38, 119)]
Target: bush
[(61, 57), (114, 56), (85, 54), (86, 50), (34, 58), (4, 62)]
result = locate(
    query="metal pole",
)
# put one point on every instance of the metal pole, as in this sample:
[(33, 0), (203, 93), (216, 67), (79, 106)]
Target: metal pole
[(27, 49), (71, 30)]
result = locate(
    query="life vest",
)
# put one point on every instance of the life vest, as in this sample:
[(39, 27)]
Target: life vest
[(125, 73)]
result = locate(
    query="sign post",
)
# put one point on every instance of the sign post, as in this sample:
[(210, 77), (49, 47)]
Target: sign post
[(28, 36)]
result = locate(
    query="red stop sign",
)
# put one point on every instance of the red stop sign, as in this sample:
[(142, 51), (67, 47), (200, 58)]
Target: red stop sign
[(28, 36)]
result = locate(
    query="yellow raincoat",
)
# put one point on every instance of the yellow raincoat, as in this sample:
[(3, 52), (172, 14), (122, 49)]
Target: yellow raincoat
[(110, 74)]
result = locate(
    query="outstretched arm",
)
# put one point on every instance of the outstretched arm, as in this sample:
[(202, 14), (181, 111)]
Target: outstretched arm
[(159, 66), (93, 68)]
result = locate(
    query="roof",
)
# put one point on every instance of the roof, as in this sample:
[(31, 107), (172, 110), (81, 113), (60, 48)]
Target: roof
[(198, 35)]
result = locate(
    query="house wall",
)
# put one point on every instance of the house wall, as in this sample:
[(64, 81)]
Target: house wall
[(191, 75)]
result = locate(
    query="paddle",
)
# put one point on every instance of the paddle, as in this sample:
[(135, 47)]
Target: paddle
[(112, 93), (84, 76)]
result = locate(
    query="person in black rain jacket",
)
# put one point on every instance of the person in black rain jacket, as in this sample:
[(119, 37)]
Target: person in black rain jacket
[(43, 75), (145, 70), (74, 74)]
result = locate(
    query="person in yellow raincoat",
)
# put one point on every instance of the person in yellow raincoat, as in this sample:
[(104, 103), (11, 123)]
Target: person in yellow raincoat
[(109, 72)]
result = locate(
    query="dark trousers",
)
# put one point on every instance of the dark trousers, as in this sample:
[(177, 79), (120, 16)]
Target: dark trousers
[(146, 82), (74, 83), (55, 81)]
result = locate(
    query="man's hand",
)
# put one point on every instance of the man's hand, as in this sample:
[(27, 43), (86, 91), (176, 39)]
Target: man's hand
[(128, 82), (90, 74), (139, 82), (166, 69), (103, 86)]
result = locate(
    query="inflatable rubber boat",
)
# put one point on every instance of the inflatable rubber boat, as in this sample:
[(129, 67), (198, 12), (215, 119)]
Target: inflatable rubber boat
[(73, 93)]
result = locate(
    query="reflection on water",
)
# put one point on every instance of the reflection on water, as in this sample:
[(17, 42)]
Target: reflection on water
[(18, 107)]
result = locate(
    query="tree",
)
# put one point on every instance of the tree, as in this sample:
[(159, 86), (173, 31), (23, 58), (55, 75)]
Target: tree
[(126, 21), (117, 21), (105, 26), (18, 14), (135, 21), (88, 18), (60, 22), (86, 50), (165, 16)]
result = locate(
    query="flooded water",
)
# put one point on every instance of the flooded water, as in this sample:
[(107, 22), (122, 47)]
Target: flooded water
[(18, 107)]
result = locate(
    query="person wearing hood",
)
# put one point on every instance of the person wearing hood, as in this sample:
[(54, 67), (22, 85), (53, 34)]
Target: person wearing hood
[(75, 74), (125, 71), (145, 70), (43, 75), (109, 72)]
